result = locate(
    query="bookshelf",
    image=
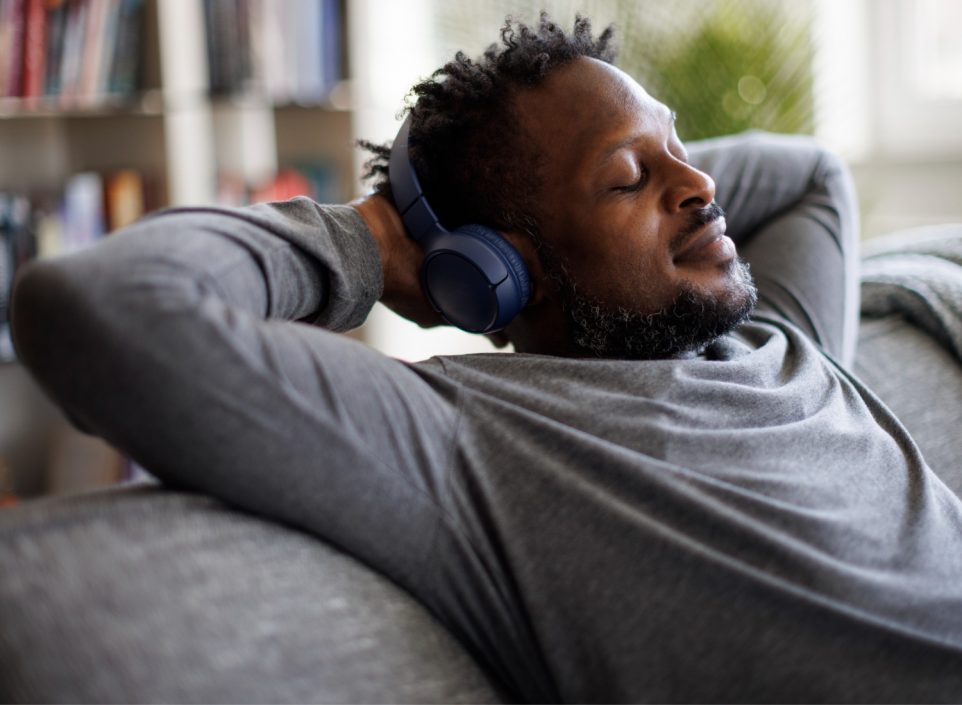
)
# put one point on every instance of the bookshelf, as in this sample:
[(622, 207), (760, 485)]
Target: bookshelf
[(172, 128), (186, 143)]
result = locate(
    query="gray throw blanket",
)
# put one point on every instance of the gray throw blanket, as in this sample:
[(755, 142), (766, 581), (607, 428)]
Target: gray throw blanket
[(918, 274)]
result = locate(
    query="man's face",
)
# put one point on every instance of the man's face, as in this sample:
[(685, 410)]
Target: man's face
[(632, 235)]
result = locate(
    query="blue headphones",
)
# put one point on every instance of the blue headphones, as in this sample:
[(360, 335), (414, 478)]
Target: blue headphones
[(472, 276)]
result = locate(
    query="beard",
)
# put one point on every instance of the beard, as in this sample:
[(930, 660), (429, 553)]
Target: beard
[(687, 325), (690, 322)]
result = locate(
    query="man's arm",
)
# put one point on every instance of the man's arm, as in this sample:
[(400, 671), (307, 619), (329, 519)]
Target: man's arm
[(792, 212), (169, 339)]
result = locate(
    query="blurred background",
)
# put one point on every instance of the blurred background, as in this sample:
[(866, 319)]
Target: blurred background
[(113, 108)]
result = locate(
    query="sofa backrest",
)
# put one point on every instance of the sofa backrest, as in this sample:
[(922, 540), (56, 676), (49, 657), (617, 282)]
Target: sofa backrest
[(921, 382)]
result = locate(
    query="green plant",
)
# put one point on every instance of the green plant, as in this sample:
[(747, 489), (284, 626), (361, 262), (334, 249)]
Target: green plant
[(723, 65), (740, 65)]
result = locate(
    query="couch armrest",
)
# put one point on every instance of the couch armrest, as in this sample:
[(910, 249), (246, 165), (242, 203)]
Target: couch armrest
[(145, 594)]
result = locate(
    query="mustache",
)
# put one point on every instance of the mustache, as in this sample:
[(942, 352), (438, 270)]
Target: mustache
[(697, 220)]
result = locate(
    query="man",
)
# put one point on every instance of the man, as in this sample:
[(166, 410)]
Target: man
[(656, 498)]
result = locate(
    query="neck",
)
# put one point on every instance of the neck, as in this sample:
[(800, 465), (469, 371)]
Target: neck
[(542, 330)]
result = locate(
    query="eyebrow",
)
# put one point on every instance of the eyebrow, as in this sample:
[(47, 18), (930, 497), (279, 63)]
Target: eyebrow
[(628, 141)]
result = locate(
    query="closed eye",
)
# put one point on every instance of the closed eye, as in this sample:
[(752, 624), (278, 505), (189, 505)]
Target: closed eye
[(636, 186)]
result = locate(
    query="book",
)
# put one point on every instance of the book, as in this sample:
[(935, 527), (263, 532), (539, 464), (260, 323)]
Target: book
[(309, 67), (288, 50), (268, 44), (83, 210), (123, 78), (223, 21), (332, 31), (34, 50), (16, 247), (16, 228), (78, 52), (49, 232), (92, 51), (106, 51), (125, 198), (6, 259), (56, 25), (71, 59), (15, 23), (6, 41)]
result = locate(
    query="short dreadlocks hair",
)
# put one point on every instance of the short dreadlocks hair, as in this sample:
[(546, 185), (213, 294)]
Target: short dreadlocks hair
[(472, 158)]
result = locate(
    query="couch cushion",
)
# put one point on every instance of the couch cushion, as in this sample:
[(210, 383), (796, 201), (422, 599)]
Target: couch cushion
[(144, 594), (921, 382)]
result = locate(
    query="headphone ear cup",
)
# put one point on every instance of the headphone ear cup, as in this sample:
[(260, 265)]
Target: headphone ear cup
[(475, 278), (517, 269)]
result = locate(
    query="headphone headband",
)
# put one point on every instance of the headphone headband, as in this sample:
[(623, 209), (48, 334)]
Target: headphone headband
[(472, 276), (416, 212)]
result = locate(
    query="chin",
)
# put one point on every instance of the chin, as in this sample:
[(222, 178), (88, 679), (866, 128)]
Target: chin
[(737, 291), (693, 319)]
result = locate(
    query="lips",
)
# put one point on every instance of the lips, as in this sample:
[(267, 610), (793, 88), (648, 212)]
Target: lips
[(707, 244)]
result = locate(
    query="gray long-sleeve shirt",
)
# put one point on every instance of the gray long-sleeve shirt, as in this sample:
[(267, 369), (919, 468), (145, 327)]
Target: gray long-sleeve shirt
[(751, 524)]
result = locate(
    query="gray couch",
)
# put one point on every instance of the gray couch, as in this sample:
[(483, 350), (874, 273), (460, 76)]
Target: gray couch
[(148, 594)]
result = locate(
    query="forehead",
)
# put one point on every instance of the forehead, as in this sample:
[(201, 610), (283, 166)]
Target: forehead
[(584, 107)]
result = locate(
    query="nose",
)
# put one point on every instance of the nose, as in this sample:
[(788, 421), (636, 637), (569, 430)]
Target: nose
[(689, 188)]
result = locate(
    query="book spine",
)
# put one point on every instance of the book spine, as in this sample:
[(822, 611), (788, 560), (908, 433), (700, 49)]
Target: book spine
[(243, 49), (56, 25), (6, 38), (125, 198), (254, 26), (215, 18), (230, 45), (310, 51), (6, 258), (83, 210), (125, 63), (269, 25), (72, 51), (14, 77), (24, 243), (331, 44), (106, 50), (291, 40), (92, 50), (34, 50), (49, 230), (16, 246)]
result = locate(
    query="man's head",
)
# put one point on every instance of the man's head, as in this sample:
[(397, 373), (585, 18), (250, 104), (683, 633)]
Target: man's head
[(546, 141)]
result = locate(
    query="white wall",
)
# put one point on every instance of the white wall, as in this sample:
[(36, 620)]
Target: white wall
[(393, 46), (878, 107)]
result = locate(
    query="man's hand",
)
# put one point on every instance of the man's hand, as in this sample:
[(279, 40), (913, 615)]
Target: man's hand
[(401, 259)]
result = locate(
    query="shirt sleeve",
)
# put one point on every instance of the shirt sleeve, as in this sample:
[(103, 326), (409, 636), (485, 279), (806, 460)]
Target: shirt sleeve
[(792, 212), (178, 340)]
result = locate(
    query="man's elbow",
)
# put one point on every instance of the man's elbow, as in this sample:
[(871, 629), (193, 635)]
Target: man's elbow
[(65, 328), (43, 313)]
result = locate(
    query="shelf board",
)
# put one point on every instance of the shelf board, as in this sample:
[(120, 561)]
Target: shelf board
[(149, 103), (155, 103), (338, 99)]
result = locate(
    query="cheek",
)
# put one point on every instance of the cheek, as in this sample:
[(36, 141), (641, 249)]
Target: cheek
[(642, 281), (633, 274), (616, 254)]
